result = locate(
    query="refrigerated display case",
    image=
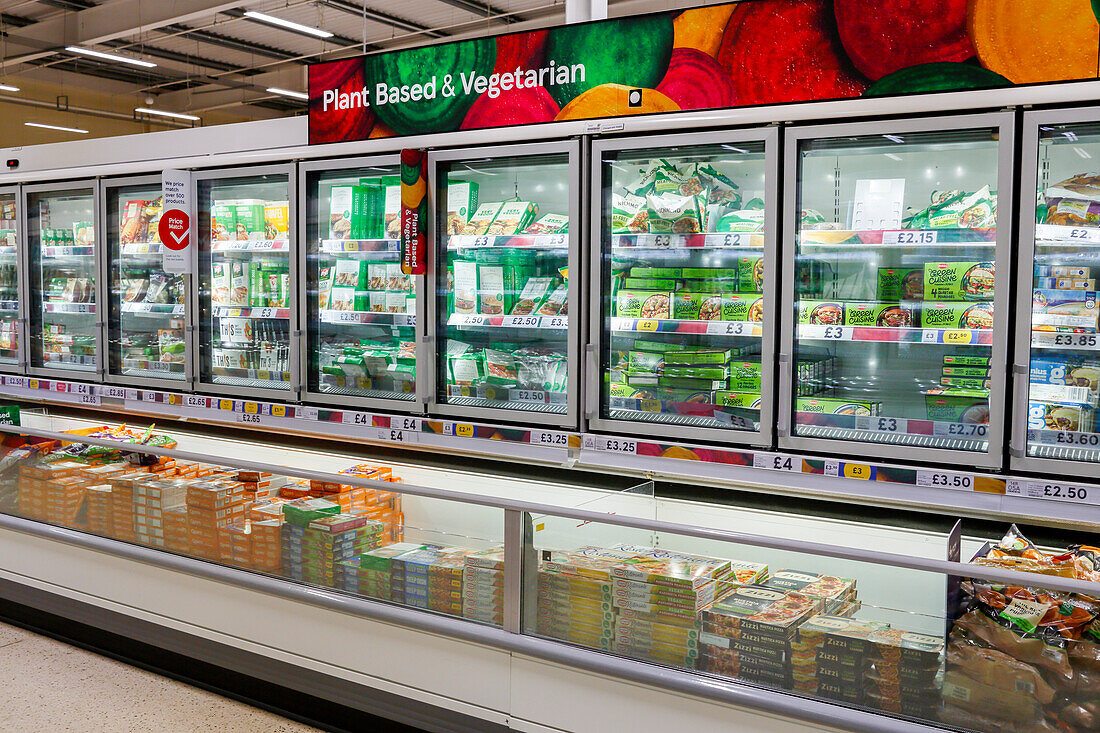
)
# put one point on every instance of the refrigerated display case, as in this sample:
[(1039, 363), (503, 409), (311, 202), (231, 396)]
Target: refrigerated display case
[(1057, 364), (361, 309), (11, 298), (65, 333), (682, 323), (897, 351), (146, 306), (507, 236), (246, 285)]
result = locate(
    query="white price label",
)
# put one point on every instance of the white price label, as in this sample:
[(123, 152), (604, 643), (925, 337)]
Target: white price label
[(733, 240), (89, 399), (774, 461), (264, 312), (1053, 491), (942, 480), (883, 424), (617, 445), (115, 393), (306, 413), (910, 237), (521, 321), (398, 436), (249, 418), (1062, 437), (405, 423), (550, 438), (731, 328), (959, 430), (828, 333), (15, 381), (194, 401), (471, 320), (357, 418), (555, 322), (527, 395), (1068, 340), (1081, 234), (81, 388), (832, 468)]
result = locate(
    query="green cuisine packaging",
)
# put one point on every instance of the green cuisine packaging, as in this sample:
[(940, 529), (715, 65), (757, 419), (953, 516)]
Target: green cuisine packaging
[(837, 407), (948, 404), (889, 315), (750, 273), (958, 280), (900, 284), (643, 304), (250, 219), (679, 355), (957, 315)]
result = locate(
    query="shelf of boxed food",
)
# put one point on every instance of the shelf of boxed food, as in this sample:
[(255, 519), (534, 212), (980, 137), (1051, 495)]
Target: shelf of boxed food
[(282, 314), (497, 394), (749, 329), (366, 384), (155, 309), (361, 246), (71, 308), (1073, 341), (713, 240), (65, 252), (509, 241), (368, 317), (898, 237), (258, 245), (686, 413), (252, 375), (476, 320)]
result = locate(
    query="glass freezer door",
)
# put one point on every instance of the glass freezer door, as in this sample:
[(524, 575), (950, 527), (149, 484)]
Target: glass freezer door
[(1064, 366), (10, 341), (361, 308), (685, 232), (898, 339), (246, 286), (506, 283), (147, 306), (64, 324)]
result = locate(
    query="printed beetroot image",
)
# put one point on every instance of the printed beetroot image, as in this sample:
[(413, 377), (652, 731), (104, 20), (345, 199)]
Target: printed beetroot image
[(523, 50), (695, 80), (881, 38), (786, 51), (525, 106), (337, 125)]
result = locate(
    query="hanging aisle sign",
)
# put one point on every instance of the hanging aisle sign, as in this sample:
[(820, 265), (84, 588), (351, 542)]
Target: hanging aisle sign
[(414, 211), (751, 52), (175, 221)]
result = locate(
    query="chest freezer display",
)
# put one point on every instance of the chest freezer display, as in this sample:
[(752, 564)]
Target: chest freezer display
[(362, 307), (683, 278), (9, 280), (1064, 367), (245, 329), (896, 345), (505, 328), (148, 306), (64, 319)]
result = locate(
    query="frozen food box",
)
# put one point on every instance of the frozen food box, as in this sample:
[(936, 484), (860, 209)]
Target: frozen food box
[(391, 212), (958, 280), (465, 287), (649, 283), (1056, 310), (481, 218), (250, 219), (821, 312), (967, 372), (973, 316), (220, 283), (1068, 370), (966, 382), (1065, 283), (674, 273), (1063, 271), (495, 288), (277, 220), (556, 303), (549, 224), (350, 273), (950, 404), (223, 221), (697, 306), (461, 203), (678, 355), (774, 615), (239, 290), (748, 400), (345, 204), (1063, 416), (534, 292), (749, 308), (745, 376), (900, 284), (966, 360), (889, 315), (833, 591), (643, 304), (750, 273), (837, 407)]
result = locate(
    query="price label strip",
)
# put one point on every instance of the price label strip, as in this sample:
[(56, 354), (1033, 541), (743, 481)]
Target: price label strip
[(776, 462), (1053, 491), (945, 480), (549, 438), (616, 445), (394, 435)]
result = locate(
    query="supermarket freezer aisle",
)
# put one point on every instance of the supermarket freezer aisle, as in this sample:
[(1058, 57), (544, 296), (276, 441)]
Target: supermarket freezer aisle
[(53, 686)]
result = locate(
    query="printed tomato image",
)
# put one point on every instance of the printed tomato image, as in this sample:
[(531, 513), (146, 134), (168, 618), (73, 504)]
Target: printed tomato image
[(881, 38), (520, 50), (786, 51), (701, 28), (612, 100), (1030, 41), (330, 124), (936, 77), (512, 107), (633, 52), (694, 80)]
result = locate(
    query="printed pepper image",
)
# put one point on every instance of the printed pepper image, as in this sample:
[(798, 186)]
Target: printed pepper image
[(1030, 41)]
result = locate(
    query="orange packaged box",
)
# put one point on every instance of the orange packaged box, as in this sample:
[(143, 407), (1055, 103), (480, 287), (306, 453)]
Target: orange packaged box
[(295, 490), (215, 493), (247, 475), (267, 510)]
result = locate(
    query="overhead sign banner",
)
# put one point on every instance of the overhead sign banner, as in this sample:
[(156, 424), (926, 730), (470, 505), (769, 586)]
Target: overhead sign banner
[(732, 55), (175, 221), (414, 211)]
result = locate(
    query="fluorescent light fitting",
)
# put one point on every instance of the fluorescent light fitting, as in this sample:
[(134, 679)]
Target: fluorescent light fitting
[(895, 138), (263, 18), (288, 93), (109, 56), (162, 113), (56, 127), (736, 150), (1071, 136), (8, 88), (1082, 153), (891, 156)]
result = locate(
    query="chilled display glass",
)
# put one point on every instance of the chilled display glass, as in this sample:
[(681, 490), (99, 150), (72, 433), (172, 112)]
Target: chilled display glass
[(505, 233), (894, 339), (361, 306), (682, 278), (147, 319), (245, 266), (64, 323), (9, 280), (1064, 371)]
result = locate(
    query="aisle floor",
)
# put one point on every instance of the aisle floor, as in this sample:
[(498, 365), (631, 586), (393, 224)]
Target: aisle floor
[(52, 686)]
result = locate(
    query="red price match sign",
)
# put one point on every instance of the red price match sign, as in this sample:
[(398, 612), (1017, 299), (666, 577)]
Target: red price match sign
[(175, 229)]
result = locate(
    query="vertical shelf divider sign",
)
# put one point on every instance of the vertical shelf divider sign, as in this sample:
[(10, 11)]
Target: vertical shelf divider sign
[(414, 211), (175, 222)]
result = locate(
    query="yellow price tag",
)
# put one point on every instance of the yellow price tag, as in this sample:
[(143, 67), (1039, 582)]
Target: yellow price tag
[(341, 380), (857, 470), (278, 410), (957, 336), (464, 431), (490, 393), (225, 405), (234, 312), (33, 384), (364, 383), (262, 374), (251, 408), (649, 405), (647, 325), (464, 390), (351, 246), (175, 399), (143, 249)]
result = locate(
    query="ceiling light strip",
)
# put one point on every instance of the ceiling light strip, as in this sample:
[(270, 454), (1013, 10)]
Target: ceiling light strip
[(290, 25)]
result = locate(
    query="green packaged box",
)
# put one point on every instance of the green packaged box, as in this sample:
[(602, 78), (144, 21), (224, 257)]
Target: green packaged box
[(887, 315), (697, 306), (945, 281), (494, 288), (693, 383), (534, 292), (673, 273), (751, 400), (745, 376), (513, 217), (391, 211), (709, 274), (465, 287), (465, 369), (742, 308), (620, 389), (549, 224), (249, 214), (697, 372), (969, 372), (645, 362), (966, 360), (223, 222), (957, 315), (345, 212), (659, 347), (900, 284), (966, 383), (837, 407), (481, 218), (303, 511), (821, 312), (948, 404), (239, 284), (257, 285), (461, 203), (643, 304), (649, 283), (351, 273), (341, 299), (750, 273), (676, 355)]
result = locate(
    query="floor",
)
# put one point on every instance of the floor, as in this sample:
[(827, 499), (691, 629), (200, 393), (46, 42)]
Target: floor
[(52, 686)]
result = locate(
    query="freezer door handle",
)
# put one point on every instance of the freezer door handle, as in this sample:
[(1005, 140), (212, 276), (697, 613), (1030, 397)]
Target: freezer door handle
[(783, 418), (592, 379), (1017, 445)]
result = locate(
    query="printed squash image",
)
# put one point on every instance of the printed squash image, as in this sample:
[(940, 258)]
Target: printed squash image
[(936, 77), (881, 38), (694, 80), (633, 52), (611, 100), (701, 28), (448, 62), (513, 107), (786, 51), (337, 125), (1030, 41)]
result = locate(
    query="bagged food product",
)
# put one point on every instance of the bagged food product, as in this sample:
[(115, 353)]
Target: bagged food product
[(531, 297), (1072, 212), (465, 367), (1082, 186), (461, 203), (675, 213), (494, 288), (629, 214), (973, 211), (132, 224), (721, 190), (549, 224), (481, 219), (743, 220), (500, 367)]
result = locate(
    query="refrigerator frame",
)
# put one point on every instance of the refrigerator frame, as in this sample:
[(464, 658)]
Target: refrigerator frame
[(198, 177), (1021, 358), (993, 458), (770, 136), (187, 383), (22, 315), (569, 420), (417, 404), (97, 374)]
